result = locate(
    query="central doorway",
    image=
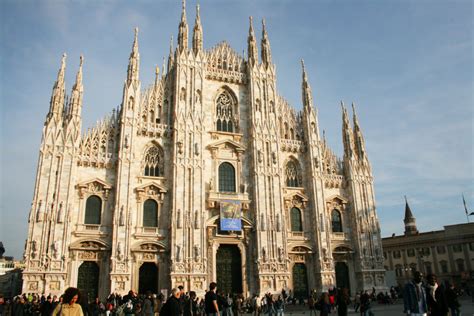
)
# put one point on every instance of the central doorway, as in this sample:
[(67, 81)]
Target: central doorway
[(88, 279), (148, 278), (342, 275), (229, 269), (300, 280)]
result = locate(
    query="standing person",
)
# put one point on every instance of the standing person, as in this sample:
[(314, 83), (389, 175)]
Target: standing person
[(47, 308), (365, 308), (452, 299), (190, 306), (324, 304), (148, 303), (280, 306), (182, 299), (172, 307), (343, 301), (68, 306), (357, 301), (210, 303), (414, 296), (436, 297)]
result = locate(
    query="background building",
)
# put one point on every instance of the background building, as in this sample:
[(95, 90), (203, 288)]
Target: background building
[(10, 274), (448, 253), (206, 175)]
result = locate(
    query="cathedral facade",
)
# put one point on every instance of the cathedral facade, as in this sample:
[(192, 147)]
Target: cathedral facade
[(206, 175)]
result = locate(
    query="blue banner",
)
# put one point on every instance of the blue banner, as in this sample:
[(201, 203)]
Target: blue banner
[(230, 216)]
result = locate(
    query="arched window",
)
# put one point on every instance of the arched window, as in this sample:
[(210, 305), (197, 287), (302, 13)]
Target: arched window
[(225, 108), (93, 210), (153, 162), (292, 175), (296, 224), (226, 177), (150, 213), (336, 221)]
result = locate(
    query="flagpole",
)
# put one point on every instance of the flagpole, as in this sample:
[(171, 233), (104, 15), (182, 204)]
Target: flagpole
[(465, 208)]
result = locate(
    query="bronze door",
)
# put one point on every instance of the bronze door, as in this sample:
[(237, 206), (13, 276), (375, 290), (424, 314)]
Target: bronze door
[(229, 269), (342, 275), (148, 278), (300, 280), (88, 279)]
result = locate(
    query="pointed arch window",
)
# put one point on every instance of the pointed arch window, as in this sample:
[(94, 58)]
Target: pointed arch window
[(150, 213), (225, 112), (296, 223), (292, 176), (93, 210), (336, 221), (153, 162), (226, 177)]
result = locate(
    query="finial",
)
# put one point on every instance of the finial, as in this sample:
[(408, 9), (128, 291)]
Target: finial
[(263, 23), (184, 4), (63, 61), (406, 201), (197, 9), (81, 60), (136, 31), (302, 63), (157, 70), (342, 105), (163, 67)]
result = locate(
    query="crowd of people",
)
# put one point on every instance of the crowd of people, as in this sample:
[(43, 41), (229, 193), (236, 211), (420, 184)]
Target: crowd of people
[(419, 298)]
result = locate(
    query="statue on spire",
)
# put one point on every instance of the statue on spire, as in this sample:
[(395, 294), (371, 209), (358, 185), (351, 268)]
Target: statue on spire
[(306, 90), (252, 45), (183, 31), (358, 137), (58, 95), (197, 33), (134, 61), (266, 51), (77, 92)]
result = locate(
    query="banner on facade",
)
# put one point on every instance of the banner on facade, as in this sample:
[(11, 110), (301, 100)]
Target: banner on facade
[(230, 216)]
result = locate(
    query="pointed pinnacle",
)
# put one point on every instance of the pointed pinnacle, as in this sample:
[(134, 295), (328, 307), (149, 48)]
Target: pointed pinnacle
[(251, 26), (183, 13), (135, 41)]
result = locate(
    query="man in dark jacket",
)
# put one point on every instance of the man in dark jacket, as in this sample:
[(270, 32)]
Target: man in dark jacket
[(172, 306), (436, 297), (414, 296)]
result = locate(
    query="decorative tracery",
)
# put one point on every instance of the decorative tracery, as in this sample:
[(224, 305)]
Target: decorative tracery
[(225, 113), (153, 162), (292, 175)]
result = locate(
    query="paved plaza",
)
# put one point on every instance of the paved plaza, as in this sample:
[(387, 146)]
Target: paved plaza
[(467, 309)]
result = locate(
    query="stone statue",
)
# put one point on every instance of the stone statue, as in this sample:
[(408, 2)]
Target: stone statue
[(264, 224), (56, 247), (60, 213), (280, 253), (120, 251), (197, 251), (39, 213), (211, 184), (264, 254), (278, 223), (179, 223), (196, 220), (122, 217), (178, 253)]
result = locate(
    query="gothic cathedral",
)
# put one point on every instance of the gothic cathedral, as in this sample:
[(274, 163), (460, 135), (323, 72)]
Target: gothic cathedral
[(206, 175)]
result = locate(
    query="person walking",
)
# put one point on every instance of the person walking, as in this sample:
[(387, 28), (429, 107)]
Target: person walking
[(68, 306), (172, 306), (436, 297), (414, 296), (210, 301), (343, 300), (453, 302), (148, 303)]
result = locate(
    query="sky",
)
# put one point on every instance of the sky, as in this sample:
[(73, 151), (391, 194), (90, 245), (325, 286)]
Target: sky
[(407, 65)]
